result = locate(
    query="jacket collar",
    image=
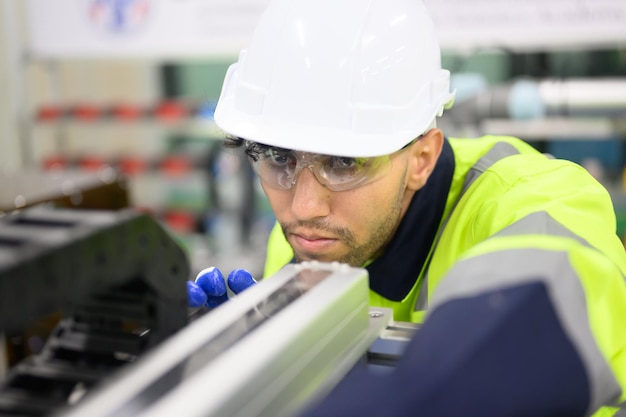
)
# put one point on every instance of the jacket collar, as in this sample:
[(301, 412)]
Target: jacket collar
[(393, 274)]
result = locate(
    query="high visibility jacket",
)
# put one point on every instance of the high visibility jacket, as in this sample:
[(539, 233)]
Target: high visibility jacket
[(514, 217)]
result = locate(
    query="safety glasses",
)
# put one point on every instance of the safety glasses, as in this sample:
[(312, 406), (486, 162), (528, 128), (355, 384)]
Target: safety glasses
[(279, 168)]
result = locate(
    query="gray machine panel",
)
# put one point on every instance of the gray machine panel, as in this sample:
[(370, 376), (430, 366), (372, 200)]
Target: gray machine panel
[(267, 352)]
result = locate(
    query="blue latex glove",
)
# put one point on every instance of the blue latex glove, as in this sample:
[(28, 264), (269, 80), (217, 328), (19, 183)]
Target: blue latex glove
[(209, 288)]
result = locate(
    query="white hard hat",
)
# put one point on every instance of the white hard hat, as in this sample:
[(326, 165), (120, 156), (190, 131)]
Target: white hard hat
[(339, 77)]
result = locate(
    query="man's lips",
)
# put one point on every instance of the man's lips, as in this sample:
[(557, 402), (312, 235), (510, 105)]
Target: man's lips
[(312, 243)]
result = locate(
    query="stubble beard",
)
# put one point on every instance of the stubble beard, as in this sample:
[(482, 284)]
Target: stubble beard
[(358, 252)]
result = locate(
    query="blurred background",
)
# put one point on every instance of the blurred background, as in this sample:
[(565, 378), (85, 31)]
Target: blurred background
[(109, 104)]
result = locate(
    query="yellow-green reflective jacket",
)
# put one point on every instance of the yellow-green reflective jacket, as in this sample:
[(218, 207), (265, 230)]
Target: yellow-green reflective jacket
[(512, 214)]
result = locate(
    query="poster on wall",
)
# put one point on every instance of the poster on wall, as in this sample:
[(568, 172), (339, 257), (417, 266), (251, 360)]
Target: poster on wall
[(529, 25), (140, 28), (208, 28)]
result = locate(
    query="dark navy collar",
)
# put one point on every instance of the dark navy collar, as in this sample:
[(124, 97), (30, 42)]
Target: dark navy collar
[(393, 274)]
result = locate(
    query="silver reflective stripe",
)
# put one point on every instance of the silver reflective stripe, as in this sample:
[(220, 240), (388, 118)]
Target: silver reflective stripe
[(499, 151), (514, 267), (540, 223)]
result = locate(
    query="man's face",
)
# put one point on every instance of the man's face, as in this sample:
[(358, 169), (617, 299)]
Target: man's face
[(347, 226)]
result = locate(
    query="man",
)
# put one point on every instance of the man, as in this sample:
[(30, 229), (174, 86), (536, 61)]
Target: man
[(509, 258)]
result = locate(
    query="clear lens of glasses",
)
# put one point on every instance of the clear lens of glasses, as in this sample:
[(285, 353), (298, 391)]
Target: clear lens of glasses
[(279, 168)]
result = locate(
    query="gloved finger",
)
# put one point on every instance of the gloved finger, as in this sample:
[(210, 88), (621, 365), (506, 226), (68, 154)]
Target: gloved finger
[(212, 282), (239, 280), (196, 296)]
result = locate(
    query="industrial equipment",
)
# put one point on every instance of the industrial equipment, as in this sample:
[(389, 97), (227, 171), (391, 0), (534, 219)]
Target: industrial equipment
[(116, 282), (128, 345)]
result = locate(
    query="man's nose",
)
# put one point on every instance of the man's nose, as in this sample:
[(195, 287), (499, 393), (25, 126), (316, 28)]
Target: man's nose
[(310, 198)]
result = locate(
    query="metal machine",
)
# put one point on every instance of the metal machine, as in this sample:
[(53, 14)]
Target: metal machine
[(112, 283), (270, 351)]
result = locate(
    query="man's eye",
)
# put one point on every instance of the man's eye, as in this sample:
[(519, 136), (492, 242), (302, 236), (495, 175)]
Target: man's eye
[(277, 157), (344, 162), (349, 163)]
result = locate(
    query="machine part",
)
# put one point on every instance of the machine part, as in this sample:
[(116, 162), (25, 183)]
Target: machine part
[(387, 349), (584, 97), (269, 351), (104, 189), (534, 99), (117, 281)]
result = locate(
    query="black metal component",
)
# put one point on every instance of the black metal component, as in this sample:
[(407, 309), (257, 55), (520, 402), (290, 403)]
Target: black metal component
[(116, 278)]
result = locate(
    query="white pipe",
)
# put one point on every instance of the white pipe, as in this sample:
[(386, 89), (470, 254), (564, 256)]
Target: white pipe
[(584, 96)]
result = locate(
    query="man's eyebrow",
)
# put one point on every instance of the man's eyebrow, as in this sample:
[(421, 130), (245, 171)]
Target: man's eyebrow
[(260, 147)]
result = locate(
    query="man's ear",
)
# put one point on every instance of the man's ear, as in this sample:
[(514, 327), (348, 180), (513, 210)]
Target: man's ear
[(423, 157)]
